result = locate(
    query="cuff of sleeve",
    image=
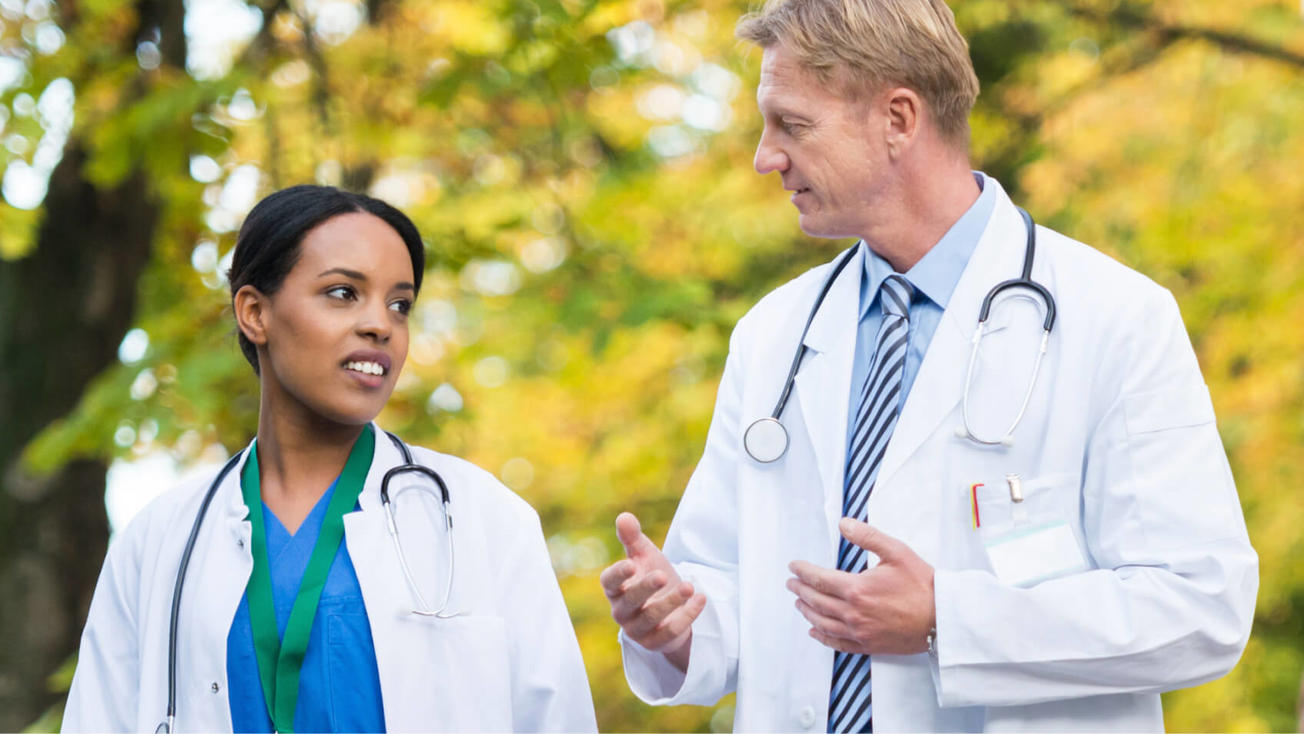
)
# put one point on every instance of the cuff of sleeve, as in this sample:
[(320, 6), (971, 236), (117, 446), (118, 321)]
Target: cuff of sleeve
[(651, 676), (659, 683)]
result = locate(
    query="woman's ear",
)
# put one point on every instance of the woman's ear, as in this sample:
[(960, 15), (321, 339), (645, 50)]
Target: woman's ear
[(250, 306)]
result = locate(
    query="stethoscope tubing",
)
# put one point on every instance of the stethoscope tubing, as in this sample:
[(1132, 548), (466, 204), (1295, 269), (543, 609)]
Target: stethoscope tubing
[(169, 723), (772, 427), (1026, 282), (174, 622)]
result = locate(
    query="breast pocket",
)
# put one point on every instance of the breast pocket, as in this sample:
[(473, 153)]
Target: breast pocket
[(1030, 528), (354, 677), (463, 670)]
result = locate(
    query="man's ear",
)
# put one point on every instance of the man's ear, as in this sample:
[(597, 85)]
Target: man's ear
[(904, 112), (250, 306)]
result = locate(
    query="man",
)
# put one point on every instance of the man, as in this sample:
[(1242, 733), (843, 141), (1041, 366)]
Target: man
[(1055, 575)]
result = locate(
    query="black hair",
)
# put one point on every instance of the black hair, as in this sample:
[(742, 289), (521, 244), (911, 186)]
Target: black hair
[(268, 244)]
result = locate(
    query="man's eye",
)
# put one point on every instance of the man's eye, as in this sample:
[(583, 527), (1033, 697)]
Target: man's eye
[(403, 306), (342, 292)]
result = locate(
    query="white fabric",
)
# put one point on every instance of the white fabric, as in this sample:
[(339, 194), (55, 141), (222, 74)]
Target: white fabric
[(1119, 442), (511, 663)]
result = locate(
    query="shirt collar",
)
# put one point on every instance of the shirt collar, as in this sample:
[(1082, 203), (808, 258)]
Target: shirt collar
[(937, 272)]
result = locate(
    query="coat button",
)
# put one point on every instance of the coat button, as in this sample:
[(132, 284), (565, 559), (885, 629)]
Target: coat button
[(806, 718)]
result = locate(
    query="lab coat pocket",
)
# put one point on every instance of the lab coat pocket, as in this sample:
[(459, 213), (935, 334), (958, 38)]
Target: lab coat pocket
[(1029, 528), (464, 665)]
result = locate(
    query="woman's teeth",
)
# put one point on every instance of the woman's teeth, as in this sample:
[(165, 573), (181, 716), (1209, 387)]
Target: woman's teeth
[(367, 368)]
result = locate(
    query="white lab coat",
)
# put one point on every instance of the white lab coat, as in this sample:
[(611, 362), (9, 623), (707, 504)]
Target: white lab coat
[(1119, 441), (512, 663)]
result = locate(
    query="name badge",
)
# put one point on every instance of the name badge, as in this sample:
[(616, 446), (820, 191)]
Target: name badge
[(1031, 555)]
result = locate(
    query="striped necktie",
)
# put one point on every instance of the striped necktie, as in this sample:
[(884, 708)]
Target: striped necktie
[(850, 707)]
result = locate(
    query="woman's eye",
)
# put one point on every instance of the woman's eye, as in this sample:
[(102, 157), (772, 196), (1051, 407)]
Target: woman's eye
[(404, 306), (342, 292)]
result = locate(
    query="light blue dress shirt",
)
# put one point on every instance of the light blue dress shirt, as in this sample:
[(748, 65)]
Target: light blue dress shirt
[(339, 684), (934, 278)]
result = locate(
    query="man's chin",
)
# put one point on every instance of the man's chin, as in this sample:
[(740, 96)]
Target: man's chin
[(813, 226)]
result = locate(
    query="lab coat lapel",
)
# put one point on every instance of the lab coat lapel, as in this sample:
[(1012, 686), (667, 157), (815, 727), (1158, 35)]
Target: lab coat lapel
[(823, 383), (386, 595), (940, 382)]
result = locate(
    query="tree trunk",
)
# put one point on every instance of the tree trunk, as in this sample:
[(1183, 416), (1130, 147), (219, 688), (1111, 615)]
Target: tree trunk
[(64, 309)]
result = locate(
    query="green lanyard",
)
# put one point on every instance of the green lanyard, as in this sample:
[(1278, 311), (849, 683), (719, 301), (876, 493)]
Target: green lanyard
[(279, 661)]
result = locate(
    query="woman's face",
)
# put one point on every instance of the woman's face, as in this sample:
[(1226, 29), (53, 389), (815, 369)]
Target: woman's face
[(336, 332)]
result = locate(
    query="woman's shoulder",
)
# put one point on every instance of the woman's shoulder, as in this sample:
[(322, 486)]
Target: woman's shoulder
[(170, 514)]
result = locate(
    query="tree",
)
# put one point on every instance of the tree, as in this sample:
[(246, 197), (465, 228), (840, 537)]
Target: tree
[(580, 171)]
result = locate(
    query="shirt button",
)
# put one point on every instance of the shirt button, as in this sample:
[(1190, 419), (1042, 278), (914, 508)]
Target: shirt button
[(216, 687), (806, 718), (239, 542)]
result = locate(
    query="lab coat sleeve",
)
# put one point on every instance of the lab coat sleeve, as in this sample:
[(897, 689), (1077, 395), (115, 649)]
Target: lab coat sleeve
[(703, 545), (1171, 599), (105, 685), (550, 691)]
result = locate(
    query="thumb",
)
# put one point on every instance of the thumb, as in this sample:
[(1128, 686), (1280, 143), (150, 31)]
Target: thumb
[(871, 539), (630, 534)]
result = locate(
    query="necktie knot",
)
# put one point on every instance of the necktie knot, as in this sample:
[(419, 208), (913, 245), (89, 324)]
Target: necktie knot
[(896, 295)]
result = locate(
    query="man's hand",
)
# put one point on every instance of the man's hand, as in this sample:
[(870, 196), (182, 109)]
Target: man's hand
[(887, 609), (648, 599)]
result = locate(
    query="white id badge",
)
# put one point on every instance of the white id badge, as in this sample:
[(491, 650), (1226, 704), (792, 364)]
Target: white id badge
[(1029, 555)]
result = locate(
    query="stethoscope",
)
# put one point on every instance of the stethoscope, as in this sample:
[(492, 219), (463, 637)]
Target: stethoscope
[(766, 440), (408, 465)]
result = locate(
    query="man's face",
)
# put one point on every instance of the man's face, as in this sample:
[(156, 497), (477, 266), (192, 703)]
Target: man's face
[(828, 148)]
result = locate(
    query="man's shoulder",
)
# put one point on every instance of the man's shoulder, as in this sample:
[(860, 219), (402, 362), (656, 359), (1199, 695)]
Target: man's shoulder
[(1089, 273), (791, 300)]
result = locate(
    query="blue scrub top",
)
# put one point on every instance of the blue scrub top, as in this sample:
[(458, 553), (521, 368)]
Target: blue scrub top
[(339, 686)]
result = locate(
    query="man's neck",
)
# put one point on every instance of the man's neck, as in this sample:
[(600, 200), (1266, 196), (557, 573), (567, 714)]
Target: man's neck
[(925, 207)]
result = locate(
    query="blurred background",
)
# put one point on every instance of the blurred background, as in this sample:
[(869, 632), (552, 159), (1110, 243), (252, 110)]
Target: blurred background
[(581, 172)]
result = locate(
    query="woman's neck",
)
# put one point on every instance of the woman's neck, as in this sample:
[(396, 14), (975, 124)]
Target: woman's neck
[(298, 459)]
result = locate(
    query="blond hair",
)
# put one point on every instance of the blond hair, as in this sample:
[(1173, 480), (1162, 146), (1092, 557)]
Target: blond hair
[(873, 43)]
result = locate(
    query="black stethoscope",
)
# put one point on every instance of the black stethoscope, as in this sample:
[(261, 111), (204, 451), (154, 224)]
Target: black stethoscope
[(766, 440), (408, 465)]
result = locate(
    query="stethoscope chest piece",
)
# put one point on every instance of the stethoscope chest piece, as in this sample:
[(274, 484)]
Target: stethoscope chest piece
[(766, 440)]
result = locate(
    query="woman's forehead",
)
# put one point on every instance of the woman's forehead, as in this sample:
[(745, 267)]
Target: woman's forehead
[(357, 241)]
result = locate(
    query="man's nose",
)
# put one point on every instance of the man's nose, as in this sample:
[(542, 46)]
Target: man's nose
[(769, 157)]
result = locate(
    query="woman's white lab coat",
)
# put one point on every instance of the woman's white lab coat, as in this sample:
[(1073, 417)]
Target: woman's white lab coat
[(510, 663), (1119, 443)]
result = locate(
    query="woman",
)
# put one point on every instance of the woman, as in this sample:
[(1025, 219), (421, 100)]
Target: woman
[(300, 612)]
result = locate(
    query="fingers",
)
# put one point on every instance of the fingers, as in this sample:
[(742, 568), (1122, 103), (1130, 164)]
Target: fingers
[(815, 599), (824, 580), (841, 644), (613, 577), (675, 625), (642, 619), (871, 539), (632, 597), (630, 534), (823, 623)]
